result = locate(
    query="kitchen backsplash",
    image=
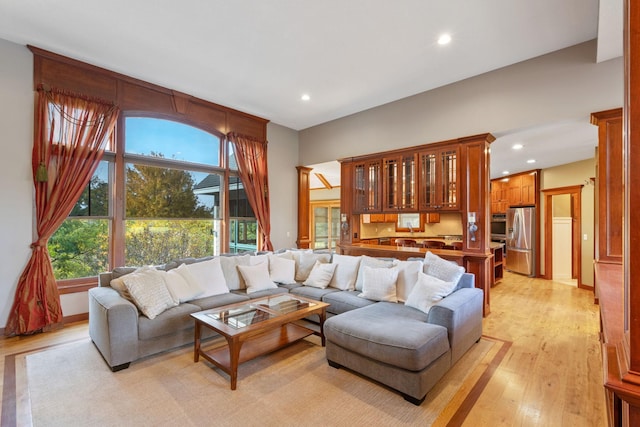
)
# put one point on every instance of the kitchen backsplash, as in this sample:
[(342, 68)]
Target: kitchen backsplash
[(450, 224)]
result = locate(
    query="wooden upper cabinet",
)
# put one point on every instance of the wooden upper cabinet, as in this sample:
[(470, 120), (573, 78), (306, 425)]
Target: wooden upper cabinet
[(499, 202), (367, 186), (438, 188), (610, 186), (400, 179), (528, 189)]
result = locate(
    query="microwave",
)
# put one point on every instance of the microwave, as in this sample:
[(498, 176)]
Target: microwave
[(498, 226)]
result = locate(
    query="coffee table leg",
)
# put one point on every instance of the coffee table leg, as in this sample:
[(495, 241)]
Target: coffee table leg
[(323, 317), (196, 342), (234, 357)]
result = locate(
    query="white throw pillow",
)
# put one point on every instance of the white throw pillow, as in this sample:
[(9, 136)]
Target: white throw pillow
[(367, 261), (282, 270), (149, 292), (208, 275), (258, 259), (320, 275), (379, 284), (445, 270), (256, 277), (181, 289), (344, 277), (229, 265), (407, 277), (305, 261), (428, 291)]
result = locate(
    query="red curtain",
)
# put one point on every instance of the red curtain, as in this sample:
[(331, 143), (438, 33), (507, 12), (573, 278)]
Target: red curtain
[(251, 155), (71, 133)]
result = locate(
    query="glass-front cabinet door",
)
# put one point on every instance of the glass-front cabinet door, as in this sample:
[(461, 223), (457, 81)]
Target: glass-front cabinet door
[(367, 186), (439, 180), (400, 189)]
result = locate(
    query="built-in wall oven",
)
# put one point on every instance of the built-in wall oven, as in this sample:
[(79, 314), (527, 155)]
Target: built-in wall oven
[(499, 227)]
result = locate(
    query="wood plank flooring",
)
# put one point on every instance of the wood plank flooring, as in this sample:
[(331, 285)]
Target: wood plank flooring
[(550, 376)]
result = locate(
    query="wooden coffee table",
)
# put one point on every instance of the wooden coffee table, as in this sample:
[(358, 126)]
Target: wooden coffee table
[(254, 328)]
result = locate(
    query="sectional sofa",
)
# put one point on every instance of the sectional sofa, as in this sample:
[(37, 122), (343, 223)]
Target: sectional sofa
[(401, 323)]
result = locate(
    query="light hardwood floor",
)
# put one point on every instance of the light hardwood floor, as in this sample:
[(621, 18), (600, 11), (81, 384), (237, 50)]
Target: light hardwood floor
[(551, 375)]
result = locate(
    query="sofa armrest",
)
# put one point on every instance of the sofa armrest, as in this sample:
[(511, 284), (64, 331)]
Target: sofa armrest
[(461, 314), (113, 326)]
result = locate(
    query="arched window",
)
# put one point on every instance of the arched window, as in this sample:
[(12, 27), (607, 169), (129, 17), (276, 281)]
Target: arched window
[(158, 196)]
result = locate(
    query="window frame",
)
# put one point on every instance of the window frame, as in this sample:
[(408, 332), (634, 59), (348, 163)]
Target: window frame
[(119, 159)]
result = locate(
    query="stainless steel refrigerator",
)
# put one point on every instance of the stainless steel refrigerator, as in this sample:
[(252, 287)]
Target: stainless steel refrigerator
[(521, 227)]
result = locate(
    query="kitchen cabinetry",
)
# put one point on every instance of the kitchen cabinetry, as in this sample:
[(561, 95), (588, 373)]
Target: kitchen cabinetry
[(499, 202), (400, 178), (379, 218), (367, 186), (514, 190), (439, 179)]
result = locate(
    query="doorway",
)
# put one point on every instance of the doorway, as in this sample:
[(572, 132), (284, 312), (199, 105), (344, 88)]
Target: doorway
[(563, 225)]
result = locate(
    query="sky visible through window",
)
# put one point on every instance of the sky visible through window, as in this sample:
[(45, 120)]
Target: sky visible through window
[(173, 140)]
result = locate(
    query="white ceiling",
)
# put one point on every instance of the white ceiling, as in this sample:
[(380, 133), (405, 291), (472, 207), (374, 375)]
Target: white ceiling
[(348, 55)]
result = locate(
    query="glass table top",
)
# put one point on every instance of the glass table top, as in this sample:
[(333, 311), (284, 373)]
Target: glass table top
[(259, 310)]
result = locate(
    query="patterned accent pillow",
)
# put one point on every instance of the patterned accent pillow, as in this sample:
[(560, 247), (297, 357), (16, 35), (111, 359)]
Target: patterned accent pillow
[(149, 292), (445, 270)]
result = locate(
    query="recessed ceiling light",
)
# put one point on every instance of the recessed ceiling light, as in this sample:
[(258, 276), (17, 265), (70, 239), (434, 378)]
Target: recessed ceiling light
[(517, 146), (505, 172), (531, 161), (305, 97), (444, 39)]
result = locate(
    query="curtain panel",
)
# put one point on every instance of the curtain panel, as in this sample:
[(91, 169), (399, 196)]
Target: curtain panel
[(71, 133), (251, 155)]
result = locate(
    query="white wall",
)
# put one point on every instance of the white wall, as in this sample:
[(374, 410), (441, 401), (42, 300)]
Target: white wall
[(564, 85), (16, 185), (283, 184)]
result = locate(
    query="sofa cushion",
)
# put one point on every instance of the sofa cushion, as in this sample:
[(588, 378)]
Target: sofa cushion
[(373, 331), (311, 292), (346, 273), (263, 293), (169, 322), (218, 300), (428, 291), (368, 261), (379, 284), (345, 301), (441, 268)]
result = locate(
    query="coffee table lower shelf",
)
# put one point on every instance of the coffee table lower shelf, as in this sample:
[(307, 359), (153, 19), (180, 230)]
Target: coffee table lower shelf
[(254, 346)]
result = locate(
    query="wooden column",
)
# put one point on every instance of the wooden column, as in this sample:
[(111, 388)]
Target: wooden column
[(610, 186), (304, 218), (474, 159)]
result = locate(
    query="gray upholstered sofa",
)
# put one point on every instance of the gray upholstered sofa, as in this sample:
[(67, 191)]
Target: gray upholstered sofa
[(393, 343)]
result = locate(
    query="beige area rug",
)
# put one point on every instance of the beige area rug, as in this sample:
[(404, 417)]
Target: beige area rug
[(70, 385)]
